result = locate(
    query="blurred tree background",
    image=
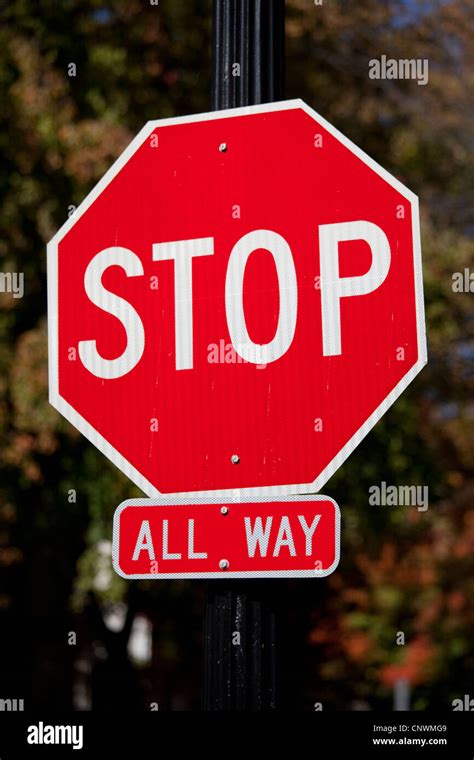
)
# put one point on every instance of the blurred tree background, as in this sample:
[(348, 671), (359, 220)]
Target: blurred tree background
[(402, 570)]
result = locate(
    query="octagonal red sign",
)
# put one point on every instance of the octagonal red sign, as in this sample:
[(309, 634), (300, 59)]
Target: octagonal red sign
[(236, 303)]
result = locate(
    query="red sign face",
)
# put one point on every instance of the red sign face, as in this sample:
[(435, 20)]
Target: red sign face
[(236, 303), (294, 536)]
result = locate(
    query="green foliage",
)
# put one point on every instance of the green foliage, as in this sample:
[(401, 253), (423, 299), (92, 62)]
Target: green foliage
[(401, 570)]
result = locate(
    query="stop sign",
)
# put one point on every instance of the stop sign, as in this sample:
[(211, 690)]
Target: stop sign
[(236, 303)]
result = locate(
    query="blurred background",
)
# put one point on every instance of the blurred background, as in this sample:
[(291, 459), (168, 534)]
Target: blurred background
[(73, 635)]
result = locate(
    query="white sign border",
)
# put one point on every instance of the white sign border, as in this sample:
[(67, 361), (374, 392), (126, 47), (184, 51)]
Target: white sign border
[(97, 439), (223, 573)]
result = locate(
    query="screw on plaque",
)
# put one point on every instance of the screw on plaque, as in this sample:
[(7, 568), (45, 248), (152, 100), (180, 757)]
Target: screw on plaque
[(223, 564), (224, 510), (235, 459), (223, 147)]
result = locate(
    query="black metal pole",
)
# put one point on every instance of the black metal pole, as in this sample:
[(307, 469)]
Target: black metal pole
[(250, 33), (240, 657)]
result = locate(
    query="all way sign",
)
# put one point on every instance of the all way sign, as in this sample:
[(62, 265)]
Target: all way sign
[(293, 536), (236, 304)]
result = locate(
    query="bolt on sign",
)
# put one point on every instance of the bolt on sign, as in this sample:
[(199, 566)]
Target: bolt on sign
[(236, 303), (290, 536)]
